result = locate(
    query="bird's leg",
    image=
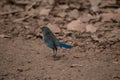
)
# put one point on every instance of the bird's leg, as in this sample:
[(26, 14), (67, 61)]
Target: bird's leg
[(54, 53)]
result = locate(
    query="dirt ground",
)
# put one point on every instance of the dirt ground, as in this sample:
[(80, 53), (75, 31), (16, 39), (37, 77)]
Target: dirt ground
[(24, 56)]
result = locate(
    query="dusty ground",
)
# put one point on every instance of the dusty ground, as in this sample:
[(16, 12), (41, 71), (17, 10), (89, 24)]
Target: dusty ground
[(24, 56)]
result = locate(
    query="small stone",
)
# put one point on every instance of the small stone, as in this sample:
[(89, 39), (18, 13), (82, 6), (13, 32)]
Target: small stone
[(94, 4), (29, 36), (4, 36), (51, 2), (117, 10), (76, 25), (64, 7), (86, 17), (44, 12), (95, 37), (42, 23), (26, 27), (54, 28), (105, 3), (76, 65), (58, 19), (68, 19), (91, 28), (74, 14), (62, 14), (77, 6), (109, 16)]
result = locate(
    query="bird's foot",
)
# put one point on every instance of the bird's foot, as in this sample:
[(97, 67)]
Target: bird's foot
[(56, 57)]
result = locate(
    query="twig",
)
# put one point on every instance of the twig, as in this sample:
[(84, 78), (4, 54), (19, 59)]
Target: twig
[(4, 36), (10, 12), (21, 2), (28, 8), (76, 65), (21, 19), (17, 2)]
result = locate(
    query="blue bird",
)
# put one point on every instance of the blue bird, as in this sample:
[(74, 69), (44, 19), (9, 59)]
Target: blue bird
[(51, 41)]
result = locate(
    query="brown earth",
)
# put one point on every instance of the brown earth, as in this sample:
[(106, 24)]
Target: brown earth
[(23, 55)]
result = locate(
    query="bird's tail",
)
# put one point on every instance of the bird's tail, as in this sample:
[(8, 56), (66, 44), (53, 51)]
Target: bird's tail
[(64, 45)]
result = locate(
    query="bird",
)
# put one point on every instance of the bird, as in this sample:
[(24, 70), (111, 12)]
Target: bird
[(51, 41)]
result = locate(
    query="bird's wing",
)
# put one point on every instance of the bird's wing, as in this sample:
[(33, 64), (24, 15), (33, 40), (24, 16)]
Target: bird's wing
[(50, 41)]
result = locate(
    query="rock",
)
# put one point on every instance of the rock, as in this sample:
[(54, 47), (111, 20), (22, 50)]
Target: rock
[(76, 25), (44, 1), (114, 36), (77, 6), (42, 23), (94, 4), (44, 12), (26, 27), (109, 16), (95, 37), (61, 14), (91, 28), (86, 17), (117, 10), (63, 7), (76, 65), (58, 19), (74, 14), (4, 36), (105, 3), (54, 28), (51, 2), (106, 16), (68, 19), (33, 12)]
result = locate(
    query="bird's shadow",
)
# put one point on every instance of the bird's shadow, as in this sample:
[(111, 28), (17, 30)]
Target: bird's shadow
[(57, 57)]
